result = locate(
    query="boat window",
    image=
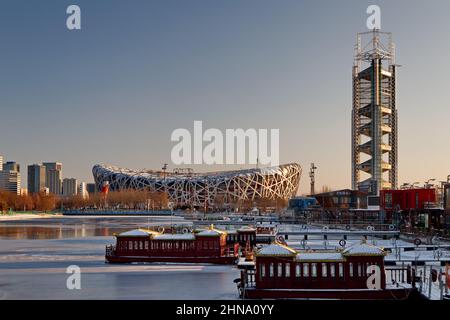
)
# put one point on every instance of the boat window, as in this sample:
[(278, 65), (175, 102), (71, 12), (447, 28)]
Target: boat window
[(271, 270), (306, 269), (280, 270), (130, 245), (314, 270), (287, 272), (263, 270), (146, 244), (341, 270), (332, 270), (141, 245), (324, 270), (298, 271), (359, 270), (350, 270)]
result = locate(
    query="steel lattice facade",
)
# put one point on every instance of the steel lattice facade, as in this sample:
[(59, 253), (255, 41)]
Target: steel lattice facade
[(374, 114), (279, 182)]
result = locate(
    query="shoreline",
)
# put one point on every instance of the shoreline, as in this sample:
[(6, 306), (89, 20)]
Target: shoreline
[(28, 216)]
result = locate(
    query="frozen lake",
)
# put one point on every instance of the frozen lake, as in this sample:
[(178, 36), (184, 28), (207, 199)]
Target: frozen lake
[(34, 256)]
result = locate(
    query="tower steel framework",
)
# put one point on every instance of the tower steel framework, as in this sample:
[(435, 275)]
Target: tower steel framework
[(374, 113)]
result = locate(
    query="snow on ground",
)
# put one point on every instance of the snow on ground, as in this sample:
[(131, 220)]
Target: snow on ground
[(26, 216), (36, 269)]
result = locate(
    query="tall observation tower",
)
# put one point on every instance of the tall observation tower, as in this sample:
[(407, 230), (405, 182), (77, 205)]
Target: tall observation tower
[(374, 114)]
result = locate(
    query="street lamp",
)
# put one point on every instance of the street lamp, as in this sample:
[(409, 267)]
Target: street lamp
[(427, 183), (405, 186), (442, 190), (164, 168)]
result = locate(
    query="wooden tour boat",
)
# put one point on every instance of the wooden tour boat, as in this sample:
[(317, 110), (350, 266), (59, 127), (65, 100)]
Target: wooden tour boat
[(280, 272), (200, 246)]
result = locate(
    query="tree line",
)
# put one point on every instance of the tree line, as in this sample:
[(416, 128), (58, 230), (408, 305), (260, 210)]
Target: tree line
[(123, 200), (28, 202)]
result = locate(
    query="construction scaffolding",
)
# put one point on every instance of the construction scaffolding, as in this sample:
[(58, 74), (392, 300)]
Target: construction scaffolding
[(374, 114)]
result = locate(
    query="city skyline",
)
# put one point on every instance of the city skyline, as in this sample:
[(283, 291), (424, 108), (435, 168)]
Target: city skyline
[(152, 68)]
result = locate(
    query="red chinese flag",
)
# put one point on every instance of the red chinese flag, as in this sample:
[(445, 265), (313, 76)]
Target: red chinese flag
[(105, 189)]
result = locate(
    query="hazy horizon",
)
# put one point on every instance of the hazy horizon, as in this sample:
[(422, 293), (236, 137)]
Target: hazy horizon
[(114, 91)]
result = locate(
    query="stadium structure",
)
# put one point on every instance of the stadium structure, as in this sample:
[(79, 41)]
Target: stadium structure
[(185, 188)]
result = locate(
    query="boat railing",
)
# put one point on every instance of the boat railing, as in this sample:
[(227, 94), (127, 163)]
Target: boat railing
[(394, 276), (228, 252), (110, 250), (400, 276), (249, 278)]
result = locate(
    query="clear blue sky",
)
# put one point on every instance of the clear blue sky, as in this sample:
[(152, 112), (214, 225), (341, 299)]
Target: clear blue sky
[(114, 91)]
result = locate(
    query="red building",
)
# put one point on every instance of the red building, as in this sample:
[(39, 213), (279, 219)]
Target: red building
[(203, 246), (408, 199), (281, 272)]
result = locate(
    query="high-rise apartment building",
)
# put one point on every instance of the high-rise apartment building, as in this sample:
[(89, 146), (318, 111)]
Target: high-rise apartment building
[(11, 166), (69, 187), (36, 178), (53, 177), (10, 181), (91, 188), (82, 190), (10, 176)]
